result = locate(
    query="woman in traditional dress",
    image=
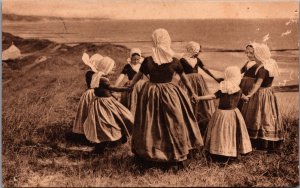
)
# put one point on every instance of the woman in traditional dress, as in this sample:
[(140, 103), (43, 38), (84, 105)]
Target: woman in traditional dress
[(260, 107), (249, 71), (226, 134), (129, 98), (165, 128), (203, 110), (107, 120), (88, 95)]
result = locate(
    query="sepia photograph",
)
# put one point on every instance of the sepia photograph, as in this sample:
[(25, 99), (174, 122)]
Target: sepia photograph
[(150, 93)]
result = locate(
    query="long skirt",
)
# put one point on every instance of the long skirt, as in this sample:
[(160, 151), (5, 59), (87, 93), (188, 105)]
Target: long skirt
[(227, 134), (203, 109), (82, 111), (126, 97), (134, 95), (262, 116), (129, 98), (165, 128), (108, 120)]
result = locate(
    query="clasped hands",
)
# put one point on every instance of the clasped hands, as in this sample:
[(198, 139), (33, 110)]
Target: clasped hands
[(129, 86), (245, 98), (194, 98)]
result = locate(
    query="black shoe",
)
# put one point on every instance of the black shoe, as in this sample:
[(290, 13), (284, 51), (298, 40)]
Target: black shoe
[(175, 166), (220, 159), (100, 148), (114, 144), (77, 138)]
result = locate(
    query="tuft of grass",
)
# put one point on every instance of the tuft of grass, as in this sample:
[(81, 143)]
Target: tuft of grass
[(32, 131)]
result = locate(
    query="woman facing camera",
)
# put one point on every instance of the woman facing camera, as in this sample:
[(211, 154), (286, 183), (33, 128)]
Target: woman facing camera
[(128, 99), (260, 107)]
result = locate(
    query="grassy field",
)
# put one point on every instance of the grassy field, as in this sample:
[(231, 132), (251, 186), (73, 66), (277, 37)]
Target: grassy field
[(39, 104)]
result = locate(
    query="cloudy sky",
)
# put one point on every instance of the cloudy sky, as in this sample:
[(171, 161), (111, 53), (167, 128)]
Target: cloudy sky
[(154, 9)]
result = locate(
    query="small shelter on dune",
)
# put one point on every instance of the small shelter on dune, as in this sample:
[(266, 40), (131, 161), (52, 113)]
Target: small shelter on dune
[(11, 53)]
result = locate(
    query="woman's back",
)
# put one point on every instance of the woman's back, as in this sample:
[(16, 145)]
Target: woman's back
[(160, 73), (228, 101), (102, 90)]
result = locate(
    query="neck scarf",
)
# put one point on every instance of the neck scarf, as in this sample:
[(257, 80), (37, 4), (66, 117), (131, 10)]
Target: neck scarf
[(192, 48), (263, 54), (100, 65), (232, 80), (161, 50)]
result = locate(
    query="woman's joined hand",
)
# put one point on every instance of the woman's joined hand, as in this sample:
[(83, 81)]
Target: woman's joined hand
[(129, 88), (194, 98), (245, 98)]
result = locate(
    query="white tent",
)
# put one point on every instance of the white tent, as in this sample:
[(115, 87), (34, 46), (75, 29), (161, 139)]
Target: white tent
[(11, 53)]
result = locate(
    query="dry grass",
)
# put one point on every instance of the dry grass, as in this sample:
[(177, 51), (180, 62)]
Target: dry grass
[(39, 106)]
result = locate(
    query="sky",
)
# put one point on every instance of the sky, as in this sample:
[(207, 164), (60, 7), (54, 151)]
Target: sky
[(154, 9)]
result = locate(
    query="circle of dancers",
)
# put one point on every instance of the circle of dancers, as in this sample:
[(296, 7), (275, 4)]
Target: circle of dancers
[(166, 120)]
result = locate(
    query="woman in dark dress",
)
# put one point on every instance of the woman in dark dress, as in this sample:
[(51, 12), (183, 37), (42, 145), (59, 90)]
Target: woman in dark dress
[(249, 71), (203, 110), (260, 107), (129, 98), (165, 128)]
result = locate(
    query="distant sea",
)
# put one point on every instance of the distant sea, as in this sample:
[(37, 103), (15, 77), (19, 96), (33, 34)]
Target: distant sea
[(213, 34)]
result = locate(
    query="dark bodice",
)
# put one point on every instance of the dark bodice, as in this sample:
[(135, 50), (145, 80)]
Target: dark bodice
[(160, 73), (228, 101), (103, 89), (128, 70), (257, 71), (188, 69), (251, 72), (264, 74)]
